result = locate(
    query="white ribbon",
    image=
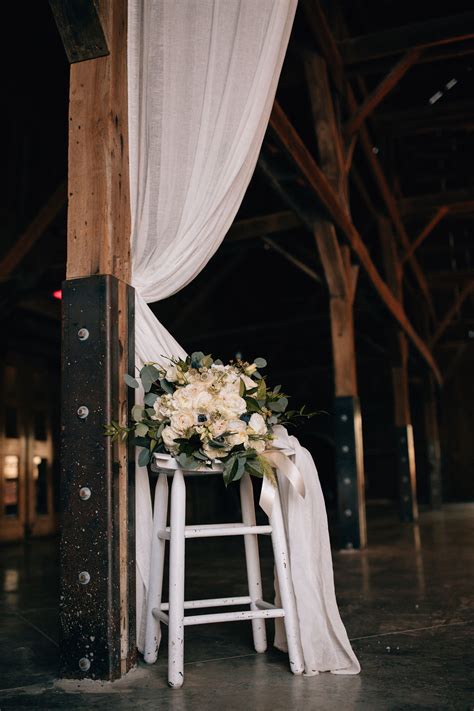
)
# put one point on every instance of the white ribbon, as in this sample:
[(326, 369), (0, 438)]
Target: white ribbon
[(281, 460)]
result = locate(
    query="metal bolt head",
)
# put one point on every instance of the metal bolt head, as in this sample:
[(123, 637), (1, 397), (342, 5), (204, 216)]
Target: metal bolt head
[(84, 577), (344, 418), (349, 546), (348, 513), (85, 493), (345, 448), (83, 334), (405, 479), (406, 498), (82, 412), (84, 664), (346, 480)]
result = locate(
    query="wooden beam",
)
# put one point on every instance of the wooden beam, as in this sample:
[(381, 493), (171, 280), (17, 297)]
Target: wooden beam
[(451, 312), (459, 202), (80, 28), (426, 231), (299, 154), (263, 225), (393, 210), (388, 83), (33, 232), (319, 26), (449, 278), (98, 189), (302, 266), (437, 31)]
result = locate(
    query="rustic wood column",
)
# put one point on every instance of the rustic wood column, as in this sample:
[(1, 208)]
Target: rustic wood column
[(97, 533), (435, 482), (404, 442), (341, 277)]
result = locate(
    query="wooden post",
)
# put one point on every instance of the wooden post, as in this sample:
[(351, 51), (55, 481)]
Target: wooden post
[(97, 536), (402, 415), (435, 483), (341, 277)]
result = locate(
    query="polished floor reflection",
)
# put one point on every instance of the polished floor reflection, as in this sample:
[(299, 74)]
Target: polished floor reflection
[(407, 603)]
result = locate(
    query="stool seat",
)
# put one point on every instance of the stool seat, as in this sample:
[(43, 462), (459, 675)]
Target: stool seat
[(172, 612)]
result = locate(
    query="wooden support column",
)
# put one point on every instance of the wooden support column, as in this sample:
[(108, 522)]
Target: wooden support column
[(341, 277), (97, 534), (435, 483), (405, 450)]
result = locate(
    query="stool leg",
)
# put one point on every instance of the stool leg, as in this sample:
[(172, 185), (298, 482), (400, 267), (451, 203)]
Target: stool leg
[(282, 564), (253, 561), (176, 604), (155, 586)]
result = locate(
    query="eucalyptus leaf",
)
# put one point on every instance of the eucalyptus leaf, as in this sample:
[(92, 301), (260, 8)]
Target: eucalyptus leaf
[(167, 387), (131, 382), (242, 390), (279, 405), (150, 399), (137, 412), (141, 430), (144, 458), (260, 362)]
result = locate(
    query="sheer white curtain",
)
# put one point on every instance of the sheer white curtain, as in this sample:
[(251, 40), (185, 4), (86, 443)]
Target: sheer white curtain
[(202, 80)]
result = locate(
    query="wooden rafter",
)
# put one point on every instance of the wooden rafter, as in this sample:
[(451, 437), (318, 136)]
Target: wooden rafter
[(299, 154), (450, 277), (438, 31), (33, 232), (263, 225), (459, 202), (388, 83), (426, 231), (302, 266), (318, 24), (451, 312)]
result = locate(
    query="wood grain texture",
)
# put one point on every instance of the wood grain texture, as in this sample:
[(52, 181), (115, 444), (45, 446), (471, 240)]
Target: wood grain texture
[(98, 188)]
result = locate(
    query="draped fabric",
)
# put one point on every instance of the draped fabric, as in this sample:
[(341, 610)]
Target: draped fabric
[(202, 76)]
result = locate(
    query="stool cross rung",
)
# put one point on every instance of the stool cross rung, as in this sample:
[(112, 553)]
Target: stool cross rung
[(213, 602), (208, 530), (235, 616)]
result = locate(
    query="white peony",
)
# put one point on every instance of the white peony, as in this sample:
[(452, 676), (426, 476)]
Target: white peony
[(169, 435), (203, 402), (257, 423), (163, 407), (182, 421), (183, 397)]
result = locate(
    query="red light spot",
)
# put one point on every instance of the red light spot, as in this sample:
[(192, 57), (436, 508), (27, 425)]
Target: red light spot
[(58, 294)]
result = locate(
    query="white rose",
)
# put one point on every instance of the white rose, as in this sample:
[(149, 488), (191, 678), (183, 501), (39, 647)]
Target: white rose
[(257, 444), (171, 373), (218, 427), (257, 423), (231, 403), (248, 382), (169, 435), (182, 421), (213, 452), (238, 435)]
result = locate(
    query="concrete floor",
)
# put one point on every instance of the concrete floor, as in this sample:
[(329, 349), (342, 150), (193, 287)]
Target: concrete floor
[(407, 603)]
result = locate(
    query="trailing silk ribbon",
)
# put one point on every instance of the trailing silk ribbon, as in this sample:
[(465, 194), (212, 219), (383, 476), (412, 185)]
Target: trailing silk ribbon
[(282, 462)]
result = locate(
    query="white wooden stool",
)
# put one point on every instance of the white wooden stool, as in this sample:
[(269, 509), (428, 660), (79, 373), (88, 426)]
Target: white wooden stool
[(172, 613)]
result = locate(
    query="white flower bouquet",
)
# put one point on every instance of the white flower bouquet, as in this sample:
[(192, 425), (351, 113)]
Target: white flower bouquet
[(202, 411)]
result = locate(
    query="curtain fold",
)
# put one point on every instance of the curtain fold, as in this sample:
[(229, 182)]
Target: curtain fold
[(202, 77)]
